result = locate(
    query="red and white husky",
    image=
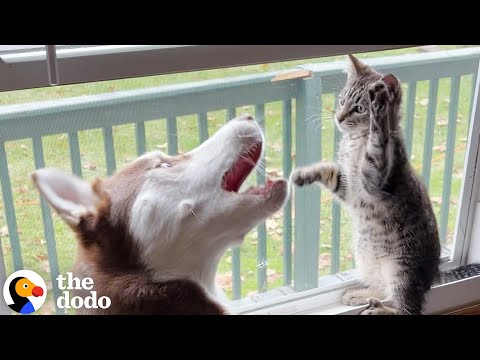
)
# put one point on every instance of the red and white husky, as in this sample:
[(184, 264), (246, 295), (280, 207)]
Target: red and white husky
[(151, 236)]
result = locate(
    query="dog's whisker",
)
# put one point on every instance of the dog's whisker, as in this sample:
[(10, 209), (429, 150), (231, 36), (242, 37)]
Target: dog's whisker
[(193, 212)]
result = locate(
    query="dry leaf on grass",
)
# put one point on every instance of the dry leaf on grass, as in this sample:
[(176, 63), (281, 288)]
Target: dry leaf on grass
[(89, 165), (224, 281), (440, 148), (442, 122), (324, 261), (3, 231)]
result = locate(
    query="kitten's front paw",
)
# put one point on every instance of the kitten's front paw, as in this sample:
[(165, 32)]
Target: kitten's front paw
[(355, 297), (375, 307), (302, 177), (379, 97)]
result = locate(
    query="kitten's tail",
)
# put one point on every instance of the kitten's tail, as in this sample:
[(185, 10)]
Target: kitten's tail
[(458, 273)]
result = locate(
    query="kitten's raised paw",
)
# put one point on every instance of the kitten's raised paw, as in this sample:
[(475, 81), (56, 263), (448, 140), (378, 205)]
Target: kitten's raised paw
[(379, 97), (375, 307), (301, 177)]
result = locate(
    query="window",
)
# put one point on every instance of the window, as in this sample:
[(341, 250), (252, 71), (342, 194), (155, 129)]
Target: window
[(300, 260)]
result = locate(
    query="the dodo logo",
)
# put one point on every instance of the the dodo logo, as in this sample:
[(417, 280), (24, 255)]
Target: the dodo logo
[(25, 291)]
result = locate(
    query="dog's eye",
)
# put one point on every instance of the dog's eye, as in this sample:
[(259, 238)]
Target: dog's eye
[(163, 164)]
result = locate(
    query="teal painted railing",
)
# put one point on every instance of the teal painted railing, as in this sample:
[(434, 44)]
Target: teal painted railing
[(301, 99)]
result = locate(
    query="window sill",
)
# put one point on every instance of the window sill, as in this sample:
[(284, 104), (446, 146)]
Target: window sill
[(440, 300), (325, 300)]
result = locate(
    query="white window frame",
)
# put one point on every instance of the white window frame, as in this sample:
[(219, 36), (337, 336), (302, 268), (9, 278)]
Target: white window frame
[(24, 70)]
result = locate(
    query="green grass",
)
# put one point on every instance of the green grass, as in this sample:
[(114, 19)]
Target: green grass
[(21, 164)]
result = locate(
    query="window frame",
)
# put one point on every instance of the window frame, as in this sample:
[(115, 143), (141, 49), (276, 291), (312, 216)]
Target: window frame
[(25, 70), (29, 69)]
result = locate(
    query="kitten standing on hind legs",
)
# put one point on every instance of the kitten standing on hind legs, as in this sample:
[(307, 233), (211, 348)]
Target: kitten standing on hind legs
[(396, 244)]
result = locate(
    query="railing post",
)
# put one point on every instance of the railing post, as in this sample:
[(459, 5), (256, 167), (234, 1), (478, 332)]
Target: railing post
[(4, 310), (307, 199)]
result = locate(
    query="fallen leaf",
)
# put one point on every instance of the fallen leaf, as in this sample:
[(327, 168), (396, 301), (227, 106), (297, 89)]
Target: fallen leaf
[(271, 272), (442, 122), (38, 241), (41, 257), (324, 260), (23, 189), (23, 147), (4, 231), (270, 113), (463, 139), (275, 173), (424, 102), (89, 165), (224, 281), (440, 148), (272, 224), (162, 146), (437, 200), (454, 201)]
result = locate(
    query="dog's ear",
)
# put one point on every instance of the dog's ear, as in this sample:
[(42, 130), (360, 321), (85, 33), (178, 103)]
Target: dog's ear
[(70, 196)]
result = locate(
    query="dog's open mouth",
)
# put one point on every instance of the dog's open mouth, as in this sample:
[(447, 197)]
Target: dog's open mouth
[(241, 168)]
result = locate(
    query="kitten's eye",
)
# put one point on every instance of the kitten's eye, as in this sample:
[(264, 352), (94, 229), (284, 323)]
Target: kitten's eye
[(360, 109), (341, 101)]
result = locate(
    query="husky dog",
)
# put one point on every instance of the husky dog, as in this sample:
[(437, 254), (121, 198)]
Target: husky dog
[(152, 235)]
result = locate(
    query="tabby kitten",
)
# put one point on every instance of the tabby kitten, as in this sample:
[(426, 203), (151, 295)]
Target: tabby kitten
[(397, 248)]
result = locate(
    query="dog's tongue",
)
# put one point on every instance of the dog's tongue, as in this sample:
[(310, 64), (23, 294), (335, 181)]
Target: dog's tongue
[(241, 168), (238, 173)]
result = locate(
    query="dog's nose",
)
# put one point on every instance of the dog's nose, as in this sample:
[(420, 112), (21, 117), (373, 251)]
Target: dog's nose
[(246, 117)]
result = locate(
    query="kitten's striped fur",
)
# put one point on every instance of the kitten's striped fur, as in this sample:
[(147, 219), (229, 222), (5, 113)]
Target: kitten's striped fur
[(397, 248)]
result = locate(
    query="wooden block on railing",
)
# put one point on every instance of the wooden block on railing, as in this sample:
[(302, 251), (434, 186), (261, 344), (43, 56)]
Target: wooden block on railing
[(298, 74)]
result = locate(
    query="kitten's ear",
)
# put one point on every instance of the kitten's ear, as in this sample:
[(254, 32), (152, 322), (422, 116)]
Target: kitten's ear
[(391, 81), (70, 196), (357, 67)]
